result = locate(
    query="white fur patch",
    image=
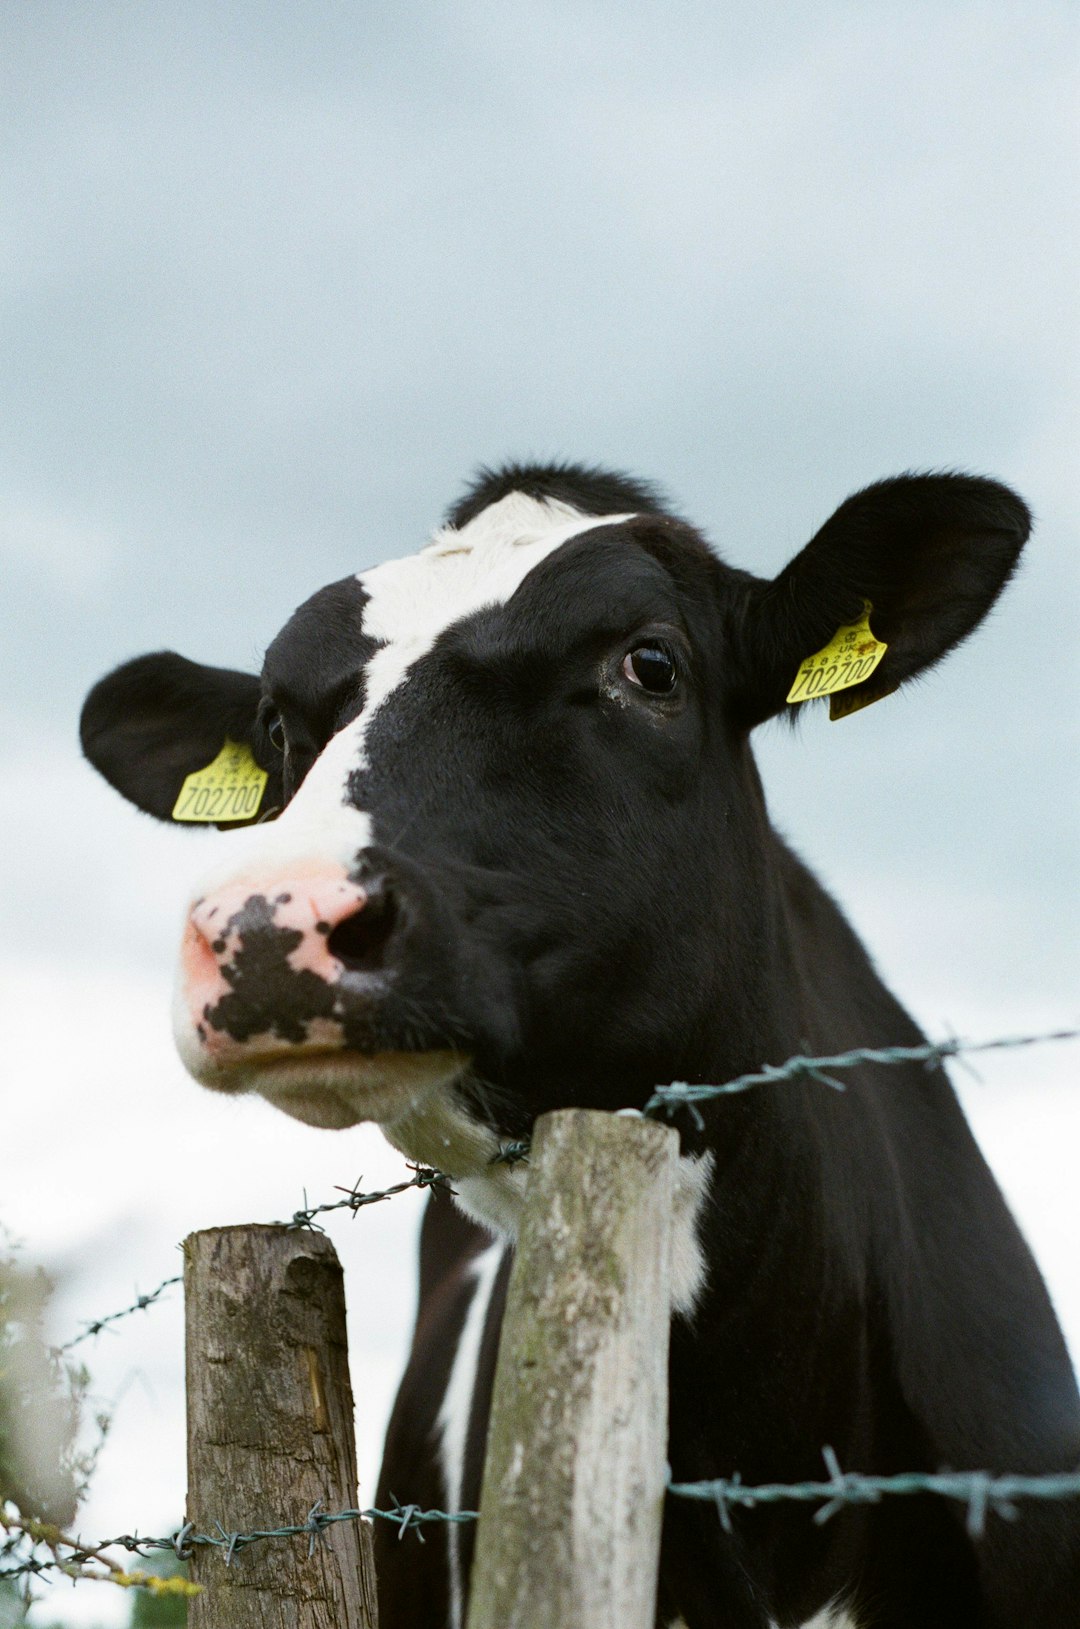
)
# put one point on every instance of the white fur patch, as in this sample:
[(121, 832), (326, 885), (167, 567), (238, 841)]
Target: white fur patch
[(456, 1409), (689, 1269), (410, 602), (317, 822), (442, 1134), (413, 600)]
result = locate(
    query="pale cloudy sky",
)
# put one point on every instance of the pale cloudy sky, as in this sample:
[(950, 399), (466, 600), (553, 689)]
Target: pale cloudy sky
[(273, 280)]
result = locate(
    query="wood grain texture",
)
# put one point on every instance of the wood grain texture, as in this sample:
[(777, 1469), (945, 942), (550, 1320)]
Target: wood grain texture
[(570, 1515), (270, 1430)]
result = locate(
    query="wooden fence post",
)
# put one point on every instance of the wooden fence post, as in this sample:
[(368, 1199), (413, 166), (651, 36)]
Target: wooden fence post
[(270, 1431), (570, 1514)]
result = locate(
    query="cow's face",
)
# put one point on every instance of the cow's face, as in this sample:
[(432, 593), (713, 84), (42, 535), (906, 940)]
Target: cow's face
[(493, 759), (521, 857)]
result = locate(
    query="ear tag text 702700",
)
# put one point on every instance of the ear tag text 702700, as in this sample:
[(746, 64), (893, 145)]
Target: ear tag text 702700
[(851, 656), (230, 788)]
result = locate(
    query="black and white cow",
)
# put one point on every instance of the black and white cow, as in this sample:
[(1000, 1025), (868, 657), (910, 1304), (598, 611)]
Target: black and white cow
[(523, 860)]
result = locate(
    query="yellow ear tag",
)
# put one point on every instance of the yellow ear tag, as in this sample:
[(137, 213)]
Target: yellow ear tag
[(231, 788), (851, 656)]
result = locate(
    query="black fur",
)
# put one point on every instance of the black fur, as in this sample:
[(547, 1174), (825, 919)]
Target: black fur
[(593, 491), (157, 719), (580, 886)]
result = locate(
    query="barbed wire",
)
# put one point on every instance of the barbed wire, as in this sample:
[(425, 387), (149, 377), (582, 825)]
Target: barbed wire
[(140, 1304), (408, 1517), (512, 1153), (424, 1176), (664, 1100), (72, 1556), (683, 1094), (979, 1490)]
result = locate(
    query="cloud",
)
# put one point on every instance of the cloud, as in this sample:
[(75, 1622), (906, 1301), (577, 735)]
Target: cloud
[(270, 290), (54, 550), (85, 880)]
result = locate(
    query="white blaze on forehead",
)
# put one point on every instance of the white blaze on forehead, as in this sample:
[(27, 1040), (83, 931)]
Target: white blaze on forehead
[(412, 601)]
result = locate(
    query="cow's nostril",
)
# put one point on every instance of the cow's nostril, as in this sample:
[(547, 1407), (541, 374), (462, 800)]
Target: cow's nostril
[(360, 941)]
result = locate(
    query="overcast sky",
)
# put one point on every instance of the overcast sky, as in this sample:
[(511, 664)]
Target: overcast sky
[(275, 279)]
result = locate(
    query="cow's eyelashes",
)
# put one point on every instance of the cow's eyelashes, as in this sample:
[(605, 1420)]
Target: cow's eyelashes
[(651, 667)]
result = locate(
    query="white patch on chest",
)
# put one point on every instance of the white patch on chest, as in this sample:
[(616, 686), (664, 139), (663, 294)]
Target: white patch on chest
[(494, 1195), (689, 1267), (454, 1415), (440, 1132)]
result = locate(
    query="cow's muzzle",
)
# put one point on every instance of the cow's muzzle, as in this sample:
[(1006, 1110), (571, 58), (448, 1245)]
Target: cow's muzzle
[(284, 984)]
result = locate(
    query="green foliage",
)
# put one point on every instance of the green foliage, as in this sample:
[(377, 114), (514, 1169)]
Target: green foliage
[(147, 1611), (159, 1611)]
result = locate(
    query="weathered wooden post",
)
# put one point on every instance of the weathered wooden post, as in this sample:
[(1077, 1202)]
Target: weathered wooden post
[(270, 1431), (570, 1515)]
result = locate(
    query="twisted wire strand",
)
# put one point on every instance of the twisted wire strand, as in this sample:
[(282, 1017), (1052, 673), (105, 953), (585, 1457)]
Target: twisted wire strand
[(981, 1491), (664, 1100), (684, 1094), (140, 1303)]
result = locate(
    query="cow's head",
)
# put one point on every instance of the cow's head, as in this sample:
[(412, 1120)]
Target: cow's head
[(520, 856)]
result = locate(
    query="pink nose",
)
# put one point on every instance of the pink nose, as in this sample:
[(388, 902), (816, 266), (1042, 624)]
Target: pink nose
[(286, 918)]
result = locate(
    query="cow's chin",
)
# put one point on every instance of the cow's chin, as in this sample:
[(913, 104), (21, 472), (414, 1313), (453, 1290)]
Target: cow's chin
[(334, 1088)]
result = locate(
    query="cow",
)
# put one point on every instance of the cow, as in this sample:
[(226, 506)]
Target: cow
[(511, 853)]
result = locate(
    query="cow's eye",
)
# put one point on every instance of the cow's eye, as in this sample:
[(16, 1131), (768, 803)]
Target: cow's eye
[(652, 668), (275, 729)]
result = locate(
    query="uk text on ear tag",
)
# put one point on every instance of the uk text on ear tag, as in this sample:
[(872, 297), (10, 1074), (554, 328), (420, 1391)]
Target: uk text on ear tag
[(851, 656), (231, 788)]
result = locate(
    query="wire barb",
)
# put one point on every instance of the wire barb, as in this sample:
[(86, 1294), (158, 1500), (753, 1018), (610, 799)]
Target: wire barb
[(316, 1527), (140, 1304), (424, 1176), (685, 1094), (980, 1491), (512, 1153)]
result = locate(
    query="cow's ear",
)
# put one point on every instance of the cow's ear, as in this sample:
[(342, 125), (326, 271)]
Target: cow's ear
[(157, 720), (929, 553)]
